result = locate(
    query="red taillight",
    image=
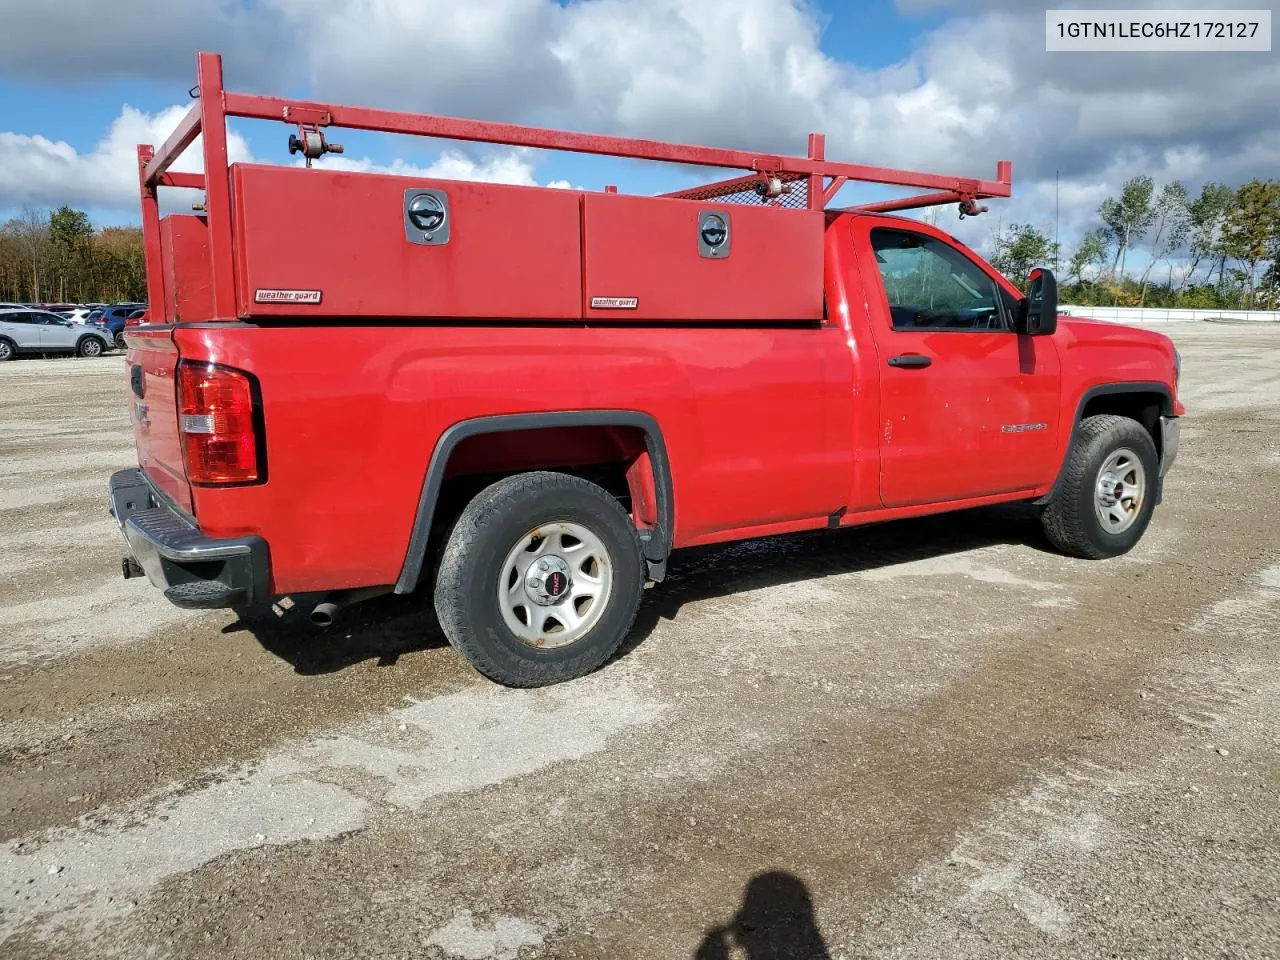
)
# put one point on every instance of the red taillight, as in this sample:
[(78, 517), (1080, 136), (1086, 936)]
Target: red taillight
[(216, 418)]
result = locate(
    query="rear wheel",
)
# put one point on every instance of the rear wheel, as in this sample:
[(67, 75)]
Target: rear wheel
[(7, 350), (120, 340), (90, 347), (540, 579), (1106, 496)]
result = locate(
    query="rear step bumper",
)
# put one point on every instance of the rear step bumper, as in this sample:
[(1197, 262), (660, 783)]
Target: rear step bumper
[(194, 571)]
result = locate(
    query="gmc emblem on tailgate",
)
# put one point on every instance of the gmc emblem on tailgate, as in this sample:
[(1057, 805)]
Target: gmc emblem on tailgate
[(286, 296)]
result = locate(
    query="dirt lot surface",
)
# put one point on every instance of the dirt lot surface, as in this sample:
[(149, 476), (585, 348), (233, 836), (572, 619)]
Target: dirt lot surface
[(928, 739)]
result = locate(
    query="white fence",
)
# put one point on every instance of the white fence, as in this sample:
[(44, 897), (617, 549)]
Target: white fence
[(1160, 315)]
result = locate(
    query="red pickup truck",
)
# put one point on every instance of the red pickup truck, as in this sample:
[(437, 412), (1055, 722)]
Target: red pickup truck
[(522, 400)]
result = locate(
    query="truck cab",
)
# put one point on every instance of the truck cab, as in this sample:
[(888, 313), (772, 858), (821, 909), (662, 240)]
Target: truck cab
[(526, 432)]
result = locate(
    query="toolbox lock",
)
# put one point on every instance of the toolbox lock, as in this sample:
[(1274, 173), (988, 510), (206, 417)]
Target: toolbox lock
[(426, 216), (713, 234)]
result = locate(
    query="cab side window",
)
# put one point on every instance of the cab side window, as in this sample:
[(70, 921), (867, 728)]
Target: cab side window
[(932, 286)]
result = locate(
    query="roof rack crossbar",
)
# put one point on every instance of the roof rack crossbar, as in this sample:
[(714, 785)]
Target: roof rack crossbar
[(825, 176)]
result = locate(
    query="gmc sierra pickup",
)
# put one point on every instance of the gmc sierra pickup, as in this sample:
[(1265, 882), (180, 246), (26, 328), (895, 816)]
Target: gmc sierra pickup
[(523, 400)]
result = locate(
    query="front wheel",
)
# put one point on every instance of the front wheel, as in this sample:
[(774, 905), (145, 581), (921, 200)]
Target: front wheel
[(540, 579), (1104, 500), (91, 347), (7, 352)]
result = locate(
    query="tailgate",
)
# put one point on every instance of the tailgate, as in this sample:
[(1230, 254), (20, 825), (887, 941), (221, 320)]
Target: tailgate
[(153, 410)]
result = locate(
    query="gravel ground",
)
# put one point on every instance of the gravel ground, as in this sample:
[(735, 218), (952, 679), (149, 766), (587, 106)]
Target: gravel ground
[(933, 738)]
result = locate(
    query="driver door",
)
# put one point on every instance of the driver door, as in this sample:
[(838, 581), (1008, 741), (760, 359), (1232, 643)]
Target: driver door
[(54, 332), (968, 407)]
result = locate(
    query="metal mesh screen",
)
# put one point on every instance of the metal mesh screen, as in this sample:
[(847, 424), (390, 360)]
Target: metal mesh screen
[(795, 195)]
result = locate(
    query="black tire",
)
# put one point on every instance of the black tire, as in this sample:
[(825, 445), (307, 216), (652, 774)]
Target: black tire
[(91, 347), (471, 567), (8, 349), (120, 344), (1070, 520)]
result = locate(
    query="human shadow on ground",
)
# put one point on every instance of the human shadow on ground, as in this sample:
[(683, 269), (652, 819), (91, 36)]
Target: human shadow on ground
[(775, 922)]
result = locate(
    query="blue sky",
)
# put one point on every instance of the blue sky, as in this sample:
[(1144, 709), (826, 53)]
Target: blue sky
[(945, 85)]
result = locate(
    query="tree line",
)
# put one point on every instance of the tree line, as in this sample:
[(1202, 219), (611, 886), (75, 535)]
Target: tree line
[(60, 257), (1219, 249)]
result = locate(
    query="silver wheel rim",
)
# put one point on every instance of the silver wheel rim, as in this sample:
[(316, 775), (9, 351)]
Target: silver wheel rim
[(92, 348), (555, 584), (1120, 491), (4, 350)]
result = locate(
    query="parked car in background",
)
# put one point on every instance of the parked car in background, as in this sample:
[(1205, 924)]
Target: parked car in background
[(39, 331), (76, 314), (113, 318)]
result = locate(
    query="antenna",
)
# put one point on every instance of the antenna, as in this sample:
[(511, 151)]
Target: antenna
[(1057, 250)]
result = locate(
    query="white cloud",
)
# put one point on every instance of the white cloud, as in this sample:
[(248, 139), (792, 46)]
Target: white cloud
[(513, 167), (752, 73), (485, 59), (747, 72), (43, 172)]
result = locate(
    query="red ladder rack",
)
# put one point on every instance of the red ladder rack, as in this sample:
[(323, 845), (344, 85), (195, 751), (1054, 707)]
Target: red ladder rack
[(769, 175)]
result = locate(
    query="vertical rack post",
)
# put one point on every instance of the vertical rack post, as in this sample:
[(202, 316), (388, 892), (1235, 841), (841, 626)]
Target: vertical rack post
[(213, 127), (151, 251), (817, 151)]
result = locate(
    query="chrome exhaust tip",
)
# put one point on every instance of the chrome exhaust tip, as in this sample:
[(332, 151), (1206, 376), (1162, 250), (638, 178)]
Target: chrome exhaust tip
[(326, 611)]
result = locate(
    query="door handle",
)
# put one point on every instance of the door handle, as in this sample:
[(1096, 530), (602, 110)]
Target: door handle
[(910, 360)]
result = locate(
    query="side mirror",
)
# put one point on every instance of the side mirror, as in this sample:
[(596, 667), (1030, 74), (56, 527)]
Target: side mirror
[(1038, 310)]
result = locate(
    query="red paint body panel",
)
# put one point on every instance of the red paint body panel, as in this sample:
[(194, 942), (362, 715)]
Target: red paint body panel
[(978, 383), (647, 248), (513, 252), (188, 287), (154, 416), (1095, 353), (768, 430), (347, 450)]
